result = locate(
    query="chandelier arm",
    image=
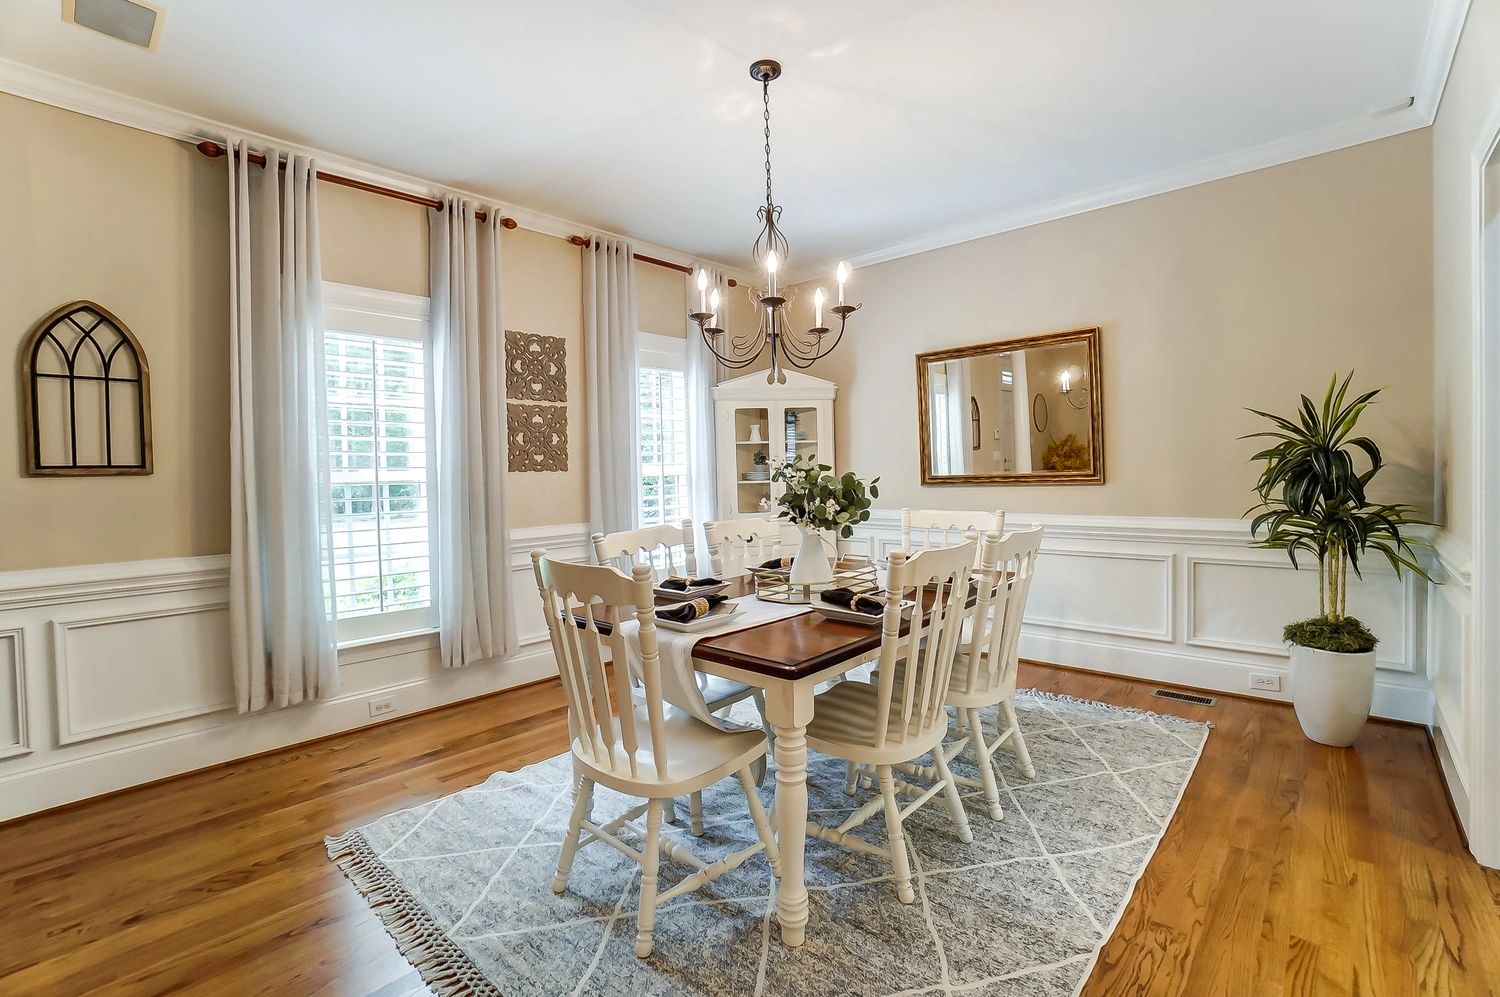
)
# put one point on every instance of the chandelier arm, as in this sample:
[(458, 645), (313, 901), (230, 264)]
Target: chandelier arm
[(735, 361)]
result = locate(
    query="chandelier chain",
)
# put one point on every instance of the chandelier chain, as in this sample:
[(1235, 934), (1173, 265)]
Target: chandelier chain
[(765, 93)]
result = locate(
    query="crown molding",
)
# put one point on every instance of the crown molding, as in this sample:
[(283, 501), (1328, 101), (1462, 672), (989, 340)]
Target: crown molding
[(1204, 171), (1438, 49), (45, 87)]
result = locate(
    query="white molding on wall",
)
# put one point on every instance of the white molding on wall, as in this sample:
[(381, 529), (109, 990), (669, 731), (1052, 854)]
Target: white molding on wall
[(1164, 633), (45, 87), (22, 745), (66, 684), (87, 582), (65, 758), (1193, 638), (1185, 654), (1439, 48)]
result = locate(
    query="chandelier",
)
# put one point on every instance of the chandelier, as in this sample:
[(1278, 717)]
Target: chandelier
[(800, 349)]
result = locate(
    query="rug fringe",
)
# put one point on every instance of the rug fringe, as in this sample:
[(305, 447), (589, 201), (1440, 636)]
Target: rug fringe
[(1111, 708), (444, 966)]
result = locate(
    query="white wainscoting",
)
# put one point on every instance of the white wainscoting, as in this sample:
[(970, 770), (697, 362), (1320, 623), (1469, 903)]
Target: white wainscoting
[(1188, 601), (112, 675), (1450, 669)]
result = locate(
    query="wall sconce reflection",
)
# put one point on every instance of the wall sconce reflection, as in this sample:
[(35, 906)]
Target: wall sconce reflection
[(1071, 381)]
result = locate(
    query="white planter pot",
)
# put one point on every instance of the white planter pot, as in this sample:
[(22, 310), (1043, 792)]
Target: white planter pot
[(811, 565), (1332, 693)]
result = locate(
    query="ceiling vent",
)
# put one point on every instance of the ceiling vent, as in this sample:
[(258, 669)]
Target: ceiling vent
[(127, 20)]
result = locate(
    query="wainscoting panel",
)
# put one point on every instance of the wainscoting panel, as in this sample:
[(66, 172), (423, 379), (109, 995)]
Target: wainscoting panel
[(1114, 592), (1189, 601), (1241, 604), (12, 694), (127, 670), (1450, 667), (135, 670)]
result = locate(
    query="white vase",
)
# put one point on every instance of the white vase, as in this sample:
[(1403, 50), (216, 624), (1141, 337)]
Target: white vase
[(1332, 693), (811, 565)]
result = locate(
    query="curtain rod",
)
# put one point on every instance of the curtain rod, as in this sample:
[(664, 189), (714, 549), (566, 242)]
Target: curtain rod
[(213, 150)]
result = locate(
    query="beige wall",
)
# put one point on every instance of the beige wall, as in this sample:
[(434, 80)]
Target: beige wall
[(1473, 87), (1241, 292), (135, 222), (138, 223)]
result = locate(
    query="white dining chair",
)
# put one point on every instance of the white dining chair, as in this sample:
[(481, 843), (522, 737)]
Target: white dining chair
[(899, 716), (666, 549), (636, 745), (984, 675), (925, 529), (672, 547), (737, 545)]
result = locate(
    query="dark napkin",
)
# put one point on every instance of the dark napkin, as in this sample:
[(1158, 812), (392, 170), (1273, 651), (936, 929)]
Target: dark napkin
[(776, 563), (687, 612), (870, 605), (683, 584)]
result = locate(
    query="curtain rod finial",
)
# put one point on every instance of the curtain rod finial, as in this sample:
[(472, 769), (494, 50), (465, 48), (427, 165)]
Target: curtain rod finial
[(212, 150)]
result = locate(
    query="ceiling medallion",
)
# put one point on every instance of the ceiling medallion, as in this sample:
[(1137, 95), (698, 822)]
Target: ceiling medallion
[(797, 348)]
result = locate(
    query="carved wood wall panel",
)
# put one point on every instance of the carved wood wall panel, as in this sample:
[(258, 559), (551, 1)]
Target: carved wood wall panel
[(535, 367), (538, 437)]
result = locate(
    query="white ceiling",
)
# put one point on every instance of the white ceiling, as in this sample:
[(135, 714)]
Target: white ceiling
[(898, 125)]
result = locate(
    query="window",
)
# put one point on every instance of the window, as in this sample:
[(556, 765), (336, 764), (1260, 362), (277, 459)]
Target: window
[(379, 420), (666, 495)]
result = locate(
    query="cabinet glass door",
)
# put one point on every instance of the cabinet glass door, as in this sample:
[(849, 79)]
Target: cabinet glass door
[(800, 432), (752, 461)]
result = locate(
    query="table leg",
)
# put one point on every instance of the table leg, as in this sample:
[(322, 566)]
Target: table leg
[(789, 708)]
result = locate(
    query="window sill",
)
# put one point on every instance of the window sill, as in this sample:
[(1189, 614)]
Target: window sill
[(359, 649)]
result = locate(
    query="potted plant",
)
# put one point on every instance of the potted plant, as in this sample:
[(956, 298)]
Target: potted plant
[(760, 459), (814, 500), (1313, 502)]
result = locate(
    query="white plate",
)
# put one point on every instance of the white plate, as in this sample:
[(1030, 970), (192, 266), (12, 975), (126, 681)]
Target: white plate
[(716, 618), (688, 594), (833, 612)]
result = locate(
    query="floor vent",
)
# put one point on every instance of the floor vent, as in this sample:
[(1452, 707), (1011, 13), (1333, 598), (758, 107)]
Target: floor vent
[(1185, 697)]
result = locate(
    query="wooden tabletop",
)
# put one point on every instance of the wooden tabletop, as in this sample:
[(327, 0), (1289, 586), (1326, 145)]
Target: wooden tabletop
[(790, 648)]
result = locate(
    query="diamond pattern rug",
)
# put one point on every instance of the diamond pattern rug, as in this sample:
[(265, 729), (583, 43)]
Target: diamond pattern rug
[(463, 882)]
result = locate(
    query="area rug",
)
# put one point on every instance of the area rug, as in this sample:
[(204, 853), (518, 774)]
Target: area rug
[(463, 883)]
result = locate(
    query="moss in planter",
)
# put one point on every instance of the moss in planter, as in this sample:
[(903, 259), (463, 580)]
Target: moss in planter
[(1343, 636)]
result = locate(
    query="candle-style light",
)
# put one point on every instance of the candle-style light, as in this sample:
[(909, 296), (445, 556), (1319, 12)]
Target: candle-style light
[(798, 348)]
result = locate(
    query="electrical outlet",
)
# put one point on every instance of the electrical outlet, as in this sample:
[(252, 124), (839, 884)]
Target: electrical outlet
[(1266, 683), (380, 707)]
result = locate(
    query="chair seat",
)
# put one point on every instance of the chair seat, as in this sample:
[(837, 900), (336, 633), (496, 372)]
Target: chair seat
[(845, 718), (697, 756), (720, 692)]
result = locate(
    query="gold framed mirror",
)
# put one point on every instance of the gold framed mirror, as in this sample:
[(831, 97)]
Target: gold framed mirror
[(1016, 412)]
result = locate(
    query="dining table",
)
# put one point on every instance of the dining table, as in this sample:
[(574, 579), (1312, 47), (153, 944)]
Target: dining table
[(786, 659)]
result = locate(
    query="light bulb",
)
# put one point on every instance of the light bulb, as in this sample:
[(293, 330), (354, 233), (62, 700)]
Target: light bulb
[(702, 283), (842, 273), (818, 308), (771, 262)]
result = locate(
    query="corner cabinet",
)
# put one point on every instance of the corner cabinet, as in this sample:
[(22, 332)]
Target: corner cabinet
[(756, 423)]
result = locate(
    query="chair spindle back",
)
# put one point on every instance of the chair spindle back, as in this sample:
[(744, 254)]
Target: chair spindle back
[(668, 550), (1008, 564), (737, 545)]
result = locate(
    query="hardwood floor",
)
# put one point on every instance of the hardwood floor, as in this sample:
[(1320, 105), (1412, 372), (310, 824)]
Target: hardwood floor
[(1289, 868)]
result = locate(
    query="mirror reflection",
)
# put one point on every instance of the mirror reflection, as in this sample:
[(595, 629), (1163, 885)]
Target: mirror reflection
[(1016, 411)]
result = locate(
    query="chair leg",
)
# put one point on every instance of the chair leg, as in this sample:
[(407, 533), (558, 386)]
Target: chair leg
[(695, 809), (650, 864), (758, 697), (852, 782), (955, 802), (762, 826), (897, 838), (986, 764), (1023, 755), (583, 803)]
